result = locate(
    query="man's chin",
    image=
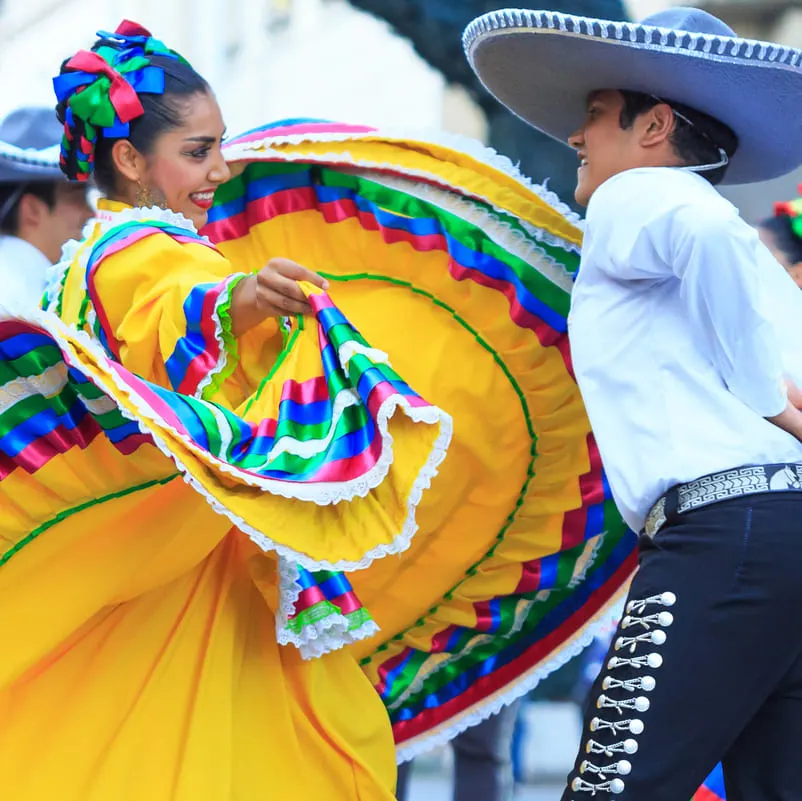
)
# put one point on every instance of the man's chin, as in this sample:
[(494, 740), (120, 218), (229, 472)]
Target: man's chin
[(582, 196)]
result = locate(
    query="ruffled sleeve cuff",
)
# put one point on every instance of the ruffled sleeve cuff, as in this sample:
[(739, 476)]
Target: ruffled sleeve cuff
[(207, 354)]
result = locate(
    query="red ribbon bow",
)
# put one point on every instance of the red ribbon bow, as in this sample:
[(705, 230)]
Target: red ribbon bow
[(122, 95), (128, 28)]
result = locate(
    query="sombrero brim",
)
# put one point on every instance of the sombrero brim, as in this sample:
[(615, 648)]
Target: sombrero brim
[(23, 164), (543, 65)]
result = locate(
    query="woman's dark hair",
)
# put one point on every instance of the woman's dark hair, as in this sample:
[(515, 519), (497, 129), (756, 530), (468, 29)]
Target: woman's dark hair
[(162, 113), (696, 143), (781, 228)]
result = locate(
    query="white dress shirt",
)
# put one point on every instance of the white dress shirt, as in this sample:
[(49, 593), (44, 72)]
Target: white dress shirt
[(682, 328), (23, 273)]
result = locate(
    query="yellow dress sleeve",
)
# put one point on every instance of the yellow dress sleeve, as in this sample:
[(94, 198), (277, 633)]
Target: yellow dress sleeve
[(161, 306)]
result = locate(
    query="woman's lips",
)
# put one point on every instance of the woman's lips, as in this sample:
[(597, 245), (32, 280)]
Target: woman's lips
[(203, 200)]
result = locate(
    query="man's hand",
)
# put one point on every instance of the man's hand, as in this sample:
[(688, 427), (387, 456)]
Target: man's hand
[(794, 393), (272, 292), (789, 420)]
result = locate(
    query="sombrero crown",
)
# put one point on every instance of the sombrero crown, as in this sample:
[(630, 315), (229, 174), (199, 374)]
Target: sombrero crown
[(29, 140), (542, 65)]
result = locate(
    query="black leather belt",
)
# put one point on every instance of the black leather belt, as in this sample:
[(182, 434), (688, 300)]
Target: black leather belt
[(718, 487)]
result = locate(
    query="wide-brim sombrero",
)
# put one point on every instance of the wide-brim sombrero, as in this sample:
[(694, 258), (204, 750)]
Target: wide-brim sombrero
[(542, 65), (461, 270), (29, 146)]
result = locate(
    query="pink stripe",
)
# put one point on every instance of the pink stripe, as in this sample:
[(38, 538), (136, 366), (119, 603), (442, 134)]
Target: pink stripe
[(347, 603), (530, 576), (311, 391), (441, 639), (296, 130), (351, 467), (308, 598), (10, 328), (55, 443), (126, 241), (141, 389), (205, 362), (311, 596), (266, 427), (320, 302)]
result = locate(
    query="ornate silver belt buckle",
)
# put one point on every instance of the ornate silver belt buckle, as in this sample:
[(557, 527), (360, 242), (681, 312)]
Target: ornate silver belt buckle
[(656, 518)]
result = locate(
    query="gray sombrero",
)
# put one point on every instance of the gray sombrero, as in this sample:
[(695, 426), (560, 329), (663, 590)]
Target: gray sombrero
[(542, 65), (30, 141)]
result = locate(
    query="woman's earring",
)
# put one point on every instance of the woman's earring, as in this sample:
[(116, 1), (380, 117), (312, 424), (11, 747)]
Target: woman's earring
[(144, 198)]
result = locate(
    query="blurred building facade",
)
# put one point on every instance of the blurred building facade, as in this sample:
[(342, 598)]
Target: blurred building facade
[(274, 59), (266, 59)]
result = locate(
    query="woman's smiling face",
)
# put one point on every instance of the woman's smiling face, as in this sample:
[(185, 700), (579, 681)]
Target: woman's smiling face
[(185, 164)]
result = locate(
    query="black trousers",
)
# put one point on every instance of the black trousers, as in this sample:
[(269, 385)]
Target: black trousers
[(706, 665)]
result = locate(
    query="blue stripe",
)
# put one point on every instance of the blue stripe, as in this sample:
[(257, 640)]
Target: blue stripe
[(19, 344), (574, 601), (193, 343), (39, 425)]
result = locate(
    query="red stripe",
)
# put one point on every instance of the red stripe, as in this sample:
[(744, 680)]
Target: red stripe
[(703, 794), (530, 577), (60, 441), (304, 199), (506, 675), (546, 335), (205, 362), (591, 488)]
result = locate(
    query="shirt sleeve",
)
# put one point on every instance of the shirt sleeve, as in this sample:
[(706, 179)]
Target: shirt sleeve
[(713, 253), (162, 309)]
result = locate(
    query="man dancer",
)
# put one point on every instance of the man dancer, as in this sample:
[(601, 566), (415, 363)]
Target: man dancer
[(39, 209), (685, 337)]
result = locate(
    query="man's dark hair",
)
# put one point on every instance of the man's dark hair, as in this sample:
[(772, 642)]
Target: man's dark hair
[(697, 143), (162, 113), (785, 238), (12, 194)]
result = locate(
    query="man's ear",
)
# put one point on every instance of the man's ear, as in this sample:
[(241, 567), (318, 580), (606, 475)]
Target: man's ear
[(796, 273), (657, 125), (32, 212)]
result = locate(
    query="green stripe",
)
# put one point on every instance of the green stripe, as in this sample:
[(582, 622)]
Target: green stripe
[(326, 609), (473, 237), (289, 344), (490, 647), (32, 363), (62, 516), (467, 234)]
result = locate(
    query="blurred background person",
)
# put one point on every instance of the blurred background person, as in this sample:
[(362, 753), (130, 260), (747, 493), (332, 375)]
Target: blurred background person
[(483, 764), (39, 209), (782, 235)]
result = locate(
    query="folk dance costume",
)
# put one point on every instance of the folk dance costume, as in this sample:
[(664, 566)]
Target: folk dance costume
[(236, 568), (683, 329)]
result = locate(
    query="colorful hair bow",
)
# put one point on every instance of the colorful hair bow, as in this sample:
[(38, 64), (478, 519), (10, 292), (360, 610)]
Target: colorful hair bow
[(793, 210), (102, 87)]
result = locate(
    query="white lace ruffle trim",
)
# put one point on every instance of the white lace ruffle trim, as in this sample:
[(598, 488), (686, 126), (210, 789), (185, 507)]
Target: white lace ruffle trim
[(151, 424)]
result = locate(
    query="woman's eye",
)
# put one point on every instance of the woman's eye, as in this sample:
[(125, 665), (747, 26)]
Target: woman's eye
[(200, 153)]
